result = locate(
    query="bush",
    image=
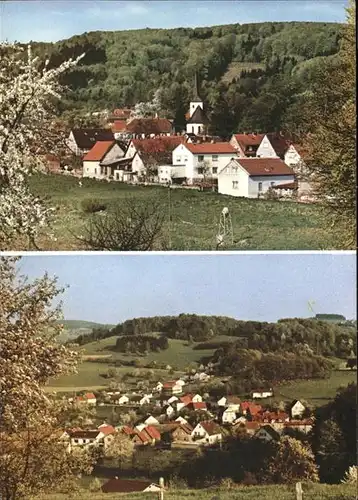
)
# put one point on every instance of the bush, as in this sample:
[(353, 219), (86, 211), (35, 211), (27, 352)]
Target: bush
[(91, 206)]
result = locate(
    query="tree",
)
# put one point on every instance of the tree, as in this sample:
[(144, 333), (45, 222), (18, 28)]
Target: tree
[(350, 476), (331, 144), (32, 457), (291, 461), (121, 448), (28, 90), (148, 109), (132, 226)]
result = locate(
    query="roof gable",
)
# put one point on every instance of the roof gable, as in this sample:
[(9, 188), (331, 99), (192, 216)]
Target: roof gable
[(265, 166), (85, 138), (211, 148), (198, 117), (99, 150)]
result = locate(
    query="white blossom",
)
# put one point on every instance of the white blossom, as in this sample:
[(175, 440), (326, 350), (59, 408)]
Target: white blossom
[(27, 93)]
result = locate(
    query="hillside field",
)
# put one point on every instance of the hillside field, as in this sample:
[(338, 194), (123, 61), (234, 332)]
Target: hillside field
[(180, 355), (257, 224)]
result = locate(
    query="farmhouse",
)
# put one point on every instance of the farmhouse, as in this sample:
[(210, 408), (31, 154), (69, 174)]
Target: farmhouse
[(85, 439), (172, 387), (201, 161), (297, 409), (261, 393), (252, 177), (267, 433), (229, 416), (246, 145), (81, 140), (97, 162), (207, 432), (182, 433)]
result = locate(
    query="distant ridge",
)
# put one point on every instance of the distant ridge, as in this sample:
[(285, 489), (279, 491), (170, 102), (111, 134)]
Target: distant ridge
[(75, 324)]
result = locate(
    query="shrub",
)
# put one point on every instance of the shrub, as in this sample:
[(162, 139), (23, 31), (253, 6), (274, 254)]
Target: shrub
[(91, 206)]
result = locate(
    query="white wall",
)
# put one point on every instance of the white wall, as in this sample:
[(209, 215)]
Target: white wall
[(265, 150), (91, 169), (292, 157), (195, 128), (182, 156), (266, 182), (114, 153), (168, 172), (233, 180)]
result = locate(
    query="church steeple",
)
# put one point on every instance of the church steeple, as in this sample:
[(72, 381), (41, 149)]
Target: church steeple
[(196, 97)]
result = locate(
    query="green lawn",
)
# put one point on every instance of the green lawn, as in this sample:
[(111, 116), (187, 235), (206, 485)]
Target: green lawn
[(279, 492), (257, 224), (315, 392)]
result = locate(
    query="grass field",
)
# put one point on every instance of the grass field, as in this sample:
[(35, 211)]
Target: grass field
[(257, 224), (180, 355), (316, 392), (278, 492)]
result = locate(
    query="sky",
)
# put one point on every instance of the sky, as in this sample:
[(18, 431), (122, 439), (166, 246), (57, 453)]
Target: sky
[(110, 288), (51, 20)]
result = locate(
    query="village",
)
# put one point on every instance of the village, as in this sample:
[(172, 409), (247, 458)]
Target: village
[(148, 150), (172, 418)]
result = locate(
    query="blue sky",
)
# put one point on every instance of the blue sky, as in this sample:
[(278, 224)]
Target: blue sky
[(264, 287), (51, 20)]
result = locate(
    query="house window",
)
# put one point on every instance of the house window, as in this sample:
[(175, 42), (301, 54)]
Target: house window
[(95, 171), (185, 158), (201, 158), (214, 157), (200, 170), (260, 187), (235, 184), (199, 129), (272, 184), (178, 159), (117, 176), (215, 170)]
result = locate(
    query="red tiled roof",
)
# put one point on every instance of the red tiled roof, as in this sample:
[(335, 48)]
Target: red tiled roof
[(211, 148), (246, 140), (251, 425), (152, 432), (98, 151), (90, 395), (115, 485), (143, 436), (211, 427), (128, 430), (168, 385), (149, 126), (107, 429), (186, 399), (199, 406), (158, 144), (252, 407), (84, 434), (119, 125), (265, 166)]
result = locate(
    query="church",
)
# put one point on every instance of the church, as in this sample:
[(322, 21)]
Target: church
[(197, 121)]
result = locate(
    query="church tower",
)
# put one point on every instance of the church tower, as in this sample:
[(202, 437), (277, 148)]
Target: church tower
[(196, 99), (197, 120)]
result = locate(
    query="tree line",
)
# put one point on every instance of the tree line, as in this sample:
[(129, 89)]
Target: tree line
[(298, 335), (271, 65)]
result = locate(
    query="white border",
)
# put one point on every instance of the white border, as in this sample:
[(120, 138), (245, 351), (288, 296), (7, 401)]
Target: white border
[(177, 252)]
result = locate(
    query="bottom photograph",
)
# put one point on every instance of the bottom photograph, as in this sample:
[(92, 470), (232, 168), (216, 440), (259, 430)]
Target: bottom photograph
[(178, 376)]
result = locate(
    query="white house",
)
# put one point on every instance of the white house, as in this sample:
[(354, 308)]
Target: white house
[(82, 140), (204, 160), (151, 420), (169, 411), (297, 409), (265, 149), (181, 420), (171, 388), (172, 399), (252, 177), (207, 432), (229, 416), (167, 174), (102, 153), (292, 156), (262, 394), (158, 387), (85, 439), (120, 400)]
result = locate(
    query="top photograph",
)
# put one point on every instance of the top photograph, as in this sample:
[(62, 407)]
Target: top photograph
[(177, 126)]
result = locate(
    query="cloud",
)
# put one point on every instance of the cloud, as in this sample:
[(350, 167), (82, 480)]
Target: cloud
[(136, 9)]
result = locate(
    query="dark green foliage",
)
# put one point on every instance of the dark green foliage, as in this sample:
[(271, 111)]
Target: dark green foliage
[(334, 435), (301, 336), (124, 67), (141, 343)]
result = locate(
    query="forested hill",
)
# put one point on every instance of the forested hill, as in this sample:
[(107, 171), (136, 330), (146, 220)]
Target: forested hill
[(252, 76), (312, 335)]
